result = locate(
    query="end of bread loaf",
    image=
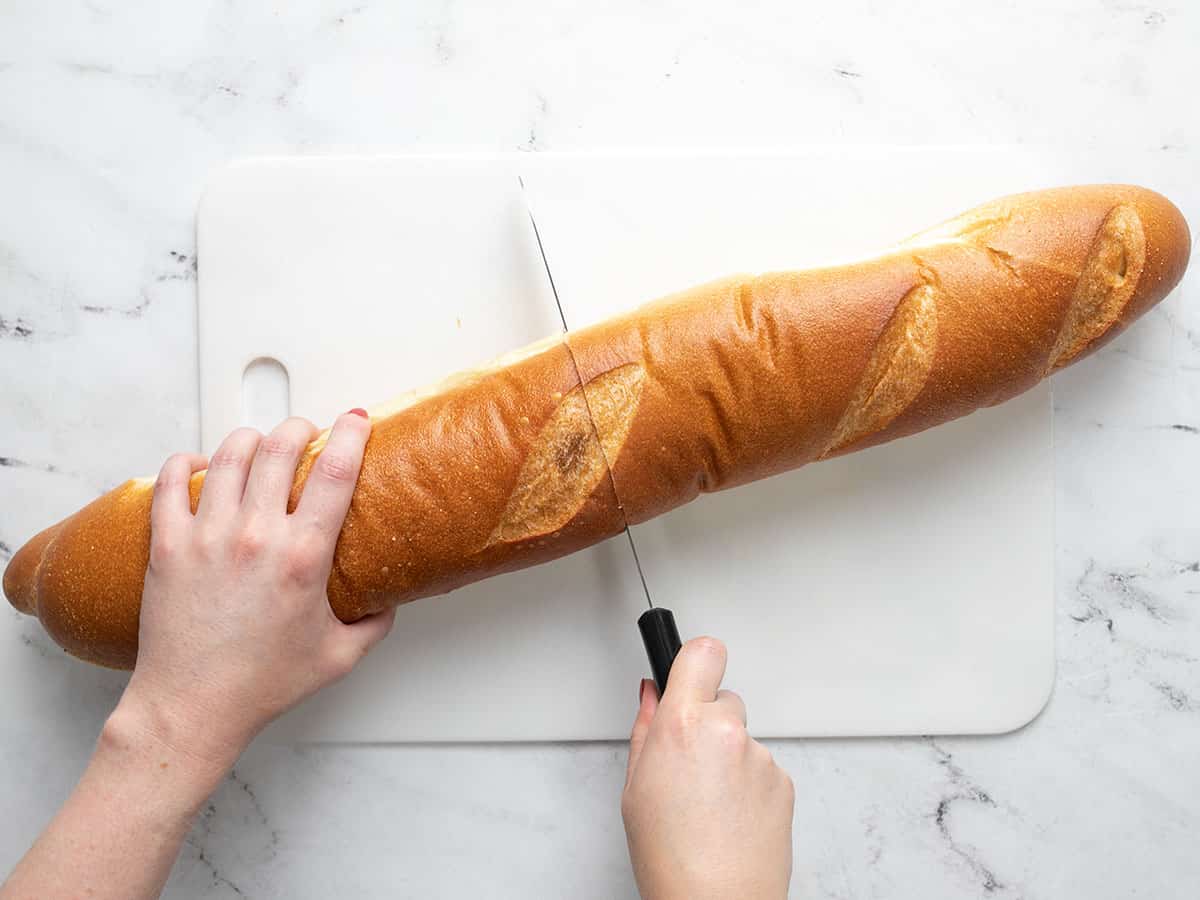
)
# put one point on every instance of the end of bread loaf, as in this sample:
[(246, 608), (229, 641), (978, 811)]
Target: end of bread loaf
[(1111, 272), (20, 576), (1137, 255), (90, 572)]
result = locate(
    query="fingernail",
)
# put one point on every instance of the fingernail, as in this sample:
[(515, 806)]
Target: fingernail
[(641, 692), (359, 411)]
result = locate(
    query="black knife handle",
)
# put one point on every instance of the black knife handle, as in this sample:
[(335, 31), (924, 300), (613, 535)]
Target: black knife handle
[(661, 638)]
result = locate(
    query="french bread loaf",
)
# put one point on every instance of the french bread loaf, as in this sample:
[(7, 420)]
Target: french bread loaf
[(509, 465)]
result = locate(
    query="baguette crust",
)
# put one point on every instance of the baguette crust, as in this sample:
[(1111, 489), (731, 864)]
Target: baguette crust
[(510, 465)]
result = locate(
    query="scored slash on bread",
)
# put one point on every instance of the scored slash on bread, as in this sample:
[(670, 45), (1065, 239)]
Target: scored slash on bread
[(522, 461), (570, 456)]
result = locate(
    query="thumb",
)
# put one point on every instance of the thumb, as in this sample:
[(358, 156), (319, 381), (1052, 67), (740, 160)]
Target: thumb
[(366, 633), (648, 704)]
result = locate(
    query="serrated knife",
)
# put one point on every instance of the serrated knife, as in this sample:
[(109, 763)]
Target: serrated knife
[(657, 624)]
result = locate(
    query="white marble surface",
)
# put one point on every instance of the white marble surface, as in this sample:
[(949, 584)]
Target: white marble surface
[(112, 114)]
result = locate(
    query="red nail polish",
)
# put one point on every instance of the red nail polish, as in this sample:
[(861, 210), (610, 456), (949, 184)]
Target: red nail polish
[(359, 411)]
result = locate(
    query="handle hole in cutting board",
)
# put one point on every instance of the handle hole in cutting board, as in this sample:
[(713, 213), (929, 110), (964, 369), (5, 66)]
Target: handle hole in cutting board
[(266, 393)]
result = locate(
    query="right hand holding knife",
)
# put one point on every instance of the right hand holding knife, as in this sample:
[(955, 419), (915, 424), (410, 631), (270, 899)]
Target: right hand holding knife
[(708, 813)]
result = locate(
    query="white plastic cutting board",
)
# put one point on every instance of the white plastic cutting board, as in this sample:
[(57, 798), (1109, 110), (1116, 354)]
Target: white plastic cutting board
[(906, 589)]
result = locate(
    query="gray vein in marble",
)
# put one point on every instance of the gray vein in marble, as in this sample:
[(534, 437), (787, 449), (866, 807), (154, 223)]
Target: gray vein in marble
[(1158, 667), (443, 50), (1091, 613), (184, 268), (258, 809), (16, 328), (1177, 325), (204, 826), (871, 836), (1121, 585), (202, 830), (12, 265), (534, 142), (11, 462), (963, 790), (91, 69), (39, 646), (340, 18), (1176, 697), (6, 551), (129, 312), (97, 10), (815, 779), (291, 81), (88, 68)]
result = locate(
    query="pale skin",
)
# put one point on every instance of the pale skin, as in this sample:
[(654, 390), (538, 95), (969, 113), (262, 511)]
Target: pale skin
[(236, 629)]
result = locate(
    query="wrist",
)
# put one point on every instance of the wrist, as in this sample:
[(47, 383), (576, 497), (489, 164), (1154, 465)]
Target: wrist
[(142, 734)]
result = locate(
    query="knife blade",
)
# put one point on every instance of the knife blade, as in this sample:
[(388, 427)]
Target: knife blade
[(657, 625)]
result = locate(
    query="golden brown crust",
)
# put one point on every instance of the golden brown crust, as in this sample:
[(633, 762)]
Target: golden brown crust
[(732, 381)]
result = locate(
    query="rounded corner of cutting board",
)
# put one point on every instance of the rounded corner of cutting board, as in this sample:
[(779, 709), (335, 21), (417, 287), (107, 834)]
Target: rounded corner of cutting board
[(1032, 703)]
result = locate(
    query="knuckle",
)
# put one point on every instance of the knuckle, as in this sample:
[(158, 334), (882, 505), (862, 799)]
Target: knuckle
[(173, 472), (337, 467), (278, 446), (729, 732), (304, 562), (226, 458), (163, 551), (250, 544), (300, 426), (236, 449)]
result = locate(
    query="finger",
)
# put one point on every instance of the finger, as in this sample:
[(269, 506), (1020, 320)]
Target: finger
[(330, 484), (733, 704), (225, 479), (171, 502), (697, 672), (647, 706), (274, 466)]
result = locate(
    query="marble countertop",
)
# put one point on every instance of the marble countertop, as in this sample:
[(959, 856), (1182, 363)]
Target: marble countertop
[(112, 115)]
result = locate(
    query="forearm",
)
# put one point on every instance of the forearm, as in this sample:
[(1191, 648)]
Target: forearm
[(118, 834)]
